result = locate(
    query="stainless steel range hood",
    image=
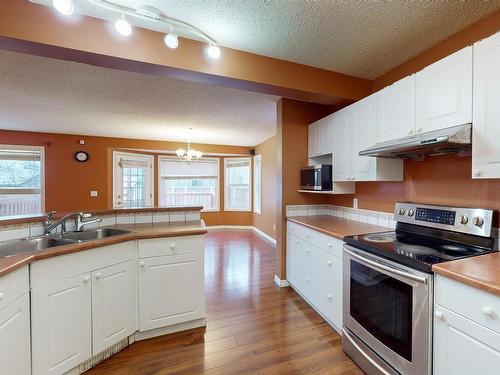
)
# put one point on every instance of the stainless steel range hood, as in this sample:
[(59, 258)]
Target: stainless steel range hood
[(444, 141)]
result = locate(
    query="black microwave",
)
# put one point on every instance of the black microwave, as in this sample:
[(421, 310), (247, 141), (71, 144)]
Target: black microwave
[(316, 177)]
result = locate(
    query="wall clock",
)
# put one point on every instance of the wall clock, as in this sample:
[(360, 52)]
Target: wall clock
[(81, 156)]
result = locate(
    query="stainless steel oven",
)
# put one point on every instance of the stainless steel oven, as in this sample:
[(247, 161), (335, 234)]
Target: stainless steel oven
[(387, 315), (316, 177)]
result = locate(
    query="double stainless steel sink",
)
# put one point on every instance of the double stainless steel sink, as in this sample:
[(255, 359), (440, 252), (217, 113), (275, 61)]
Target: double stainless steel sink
[(29, 245)]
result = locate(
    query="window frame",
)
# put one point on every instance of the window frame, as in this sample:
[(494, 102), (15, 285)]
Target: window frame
[(218, 186), (257, 209), (116, 156), (41, 149), (250, 182)]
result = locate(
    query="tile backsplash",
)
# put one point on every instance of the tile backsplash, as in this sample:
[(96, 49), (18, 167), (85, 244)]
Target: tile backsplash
[(16, 231), (383, 219)]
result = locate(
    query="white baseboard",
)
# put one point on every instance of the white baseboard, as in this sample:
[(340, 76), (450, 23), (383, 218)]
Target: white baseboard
[(281, 283), (170, 329), (247, 227)]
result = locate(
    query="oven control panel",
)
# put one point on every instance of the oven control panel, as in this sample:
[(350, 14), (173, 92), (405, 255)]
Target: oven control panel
[(475, 221)]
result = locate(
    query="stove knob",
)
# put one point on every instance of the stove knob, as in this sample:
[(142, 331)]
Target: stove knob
[(463, 219), (410, 212), (402, 211), (478, 221)]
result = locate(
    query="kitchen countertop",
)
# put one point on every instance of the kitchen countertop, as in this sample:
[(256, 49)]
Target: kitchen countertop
[(138, 232), (336, 227), (482, 272)]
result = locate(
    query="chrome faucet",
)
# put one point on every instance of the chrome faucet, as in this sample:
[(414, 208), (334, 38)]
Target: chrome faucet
[(80, 223)]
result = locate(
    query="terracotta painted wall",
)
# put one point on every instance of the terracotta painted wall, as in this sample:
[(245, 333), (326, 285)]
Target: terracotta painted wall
[(438, 180), (68, 182), (266, 220)]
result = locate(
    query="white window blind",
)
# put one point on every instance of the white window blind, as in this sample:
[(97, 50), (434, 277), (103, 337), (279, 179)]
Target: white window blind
[(237, 184), (189, 184), (21, 180), (257, 184)]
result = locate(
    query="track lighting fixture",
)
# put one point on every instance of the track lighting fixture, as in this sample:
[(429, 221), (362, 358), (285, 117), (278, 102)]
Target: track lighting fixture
[(171, 40), (213, 51), (123, 27), (63, 6)]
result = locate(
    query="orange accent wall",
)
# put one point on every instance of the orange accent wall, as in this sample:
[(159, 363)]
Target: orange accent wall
[(266, 220), (68, 182)]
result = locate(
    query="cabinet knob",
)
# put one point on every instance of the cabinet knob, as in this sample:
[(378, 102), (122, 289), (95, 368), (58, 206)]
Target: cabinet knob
[(330, 245), (476, 173), (172, 246), (98, 275), (142, 263), (488, 311), (439, 315), (306, 279), (308, 251), (297, 241), (329, 262), (329, 297), (307, 236), (1, 296), (86, 279), (410, 132)]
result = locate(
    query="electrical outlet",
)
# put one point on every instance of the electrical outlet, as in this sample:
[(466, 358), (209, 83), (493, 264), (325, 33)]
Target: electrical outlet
[(274, 227), (355, 203), (93, 193)]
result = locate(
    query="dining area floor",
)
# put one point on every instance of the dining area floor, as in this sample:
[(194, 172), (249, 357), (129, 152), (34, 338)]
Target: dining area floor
[(253, 327)]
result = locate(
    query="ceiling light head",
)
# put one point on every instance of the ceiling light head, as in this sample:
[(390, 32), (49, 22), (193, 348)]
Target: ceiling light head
[(123, 27), (171, 41), (63, 6), (213, 51)]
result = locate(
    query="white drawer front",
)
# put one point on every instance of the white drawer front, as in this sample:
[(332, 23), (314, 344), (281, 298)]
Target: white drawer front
[(475, 304), (321, 240), (170, 246), (13, 285)]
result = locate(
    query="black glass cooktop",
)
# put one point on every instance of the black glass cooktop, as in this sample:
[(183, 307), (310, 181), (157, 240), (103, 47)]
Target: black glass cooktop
[(414, 250)]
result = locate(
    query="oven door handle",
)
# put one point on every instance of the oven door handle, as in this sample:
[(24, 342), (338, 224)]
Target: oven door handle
[(382, 267), (362, 352)]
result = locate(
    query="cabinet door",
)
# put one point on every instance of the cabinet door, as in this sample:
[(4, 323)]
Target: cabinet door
[(61, 325), (171, 290), (486, 117), (15, 337), (342, 140), (444, 92), (462, 347), (312, 140), (396, 110), (293, 274), (325, 136), (364, 135), (114, 305)]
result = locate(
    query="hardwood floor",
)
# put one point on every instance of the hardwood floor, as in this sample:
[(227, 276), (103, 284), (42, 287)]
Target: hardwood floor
[(253, 327)]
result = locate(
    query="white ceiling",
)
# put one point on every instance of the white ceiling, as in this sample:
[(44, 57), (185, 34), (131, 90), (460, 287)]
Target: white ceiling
[(47, 95), (361, 38)]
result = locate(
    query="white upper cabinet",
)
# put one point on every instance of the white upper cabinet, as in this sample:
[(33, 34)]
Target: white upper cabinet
[(444, 92), (343, 123), (486, 102), (396, 110), (320, 138)]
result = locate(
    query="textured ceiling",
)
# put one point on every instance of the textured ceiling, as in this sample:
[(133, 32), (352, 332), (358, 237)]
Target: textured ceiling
[(361, 38), (46, 95)]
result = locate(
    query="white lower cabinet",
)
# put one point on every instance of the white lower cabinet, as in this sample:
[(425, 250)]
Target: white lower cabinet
[(15, 337), (466, 330), (171, 290), (314, 269), (114, 305), (61, 325)]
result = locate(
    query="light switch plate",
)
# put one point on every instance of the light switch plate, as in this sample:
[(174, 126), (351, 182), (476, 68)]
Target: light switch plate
[(355, 203), (93, 193)]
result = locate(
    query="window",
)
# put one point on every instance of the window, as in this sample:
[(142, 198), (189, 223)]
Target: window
[(21, 180), (257, 184), (189, 184), (133, 180), (237, 184)]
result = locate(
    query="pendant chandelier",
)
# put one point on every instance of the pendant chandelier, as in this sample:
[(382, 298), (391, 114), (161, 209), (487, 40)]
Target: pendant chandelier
[(189, 155)]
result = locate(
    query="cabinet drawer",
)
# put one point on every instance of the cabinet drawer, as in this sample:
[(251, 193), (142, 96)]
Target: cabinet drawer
[(170, 246), (13, 286), (323, 241), (473, 303)]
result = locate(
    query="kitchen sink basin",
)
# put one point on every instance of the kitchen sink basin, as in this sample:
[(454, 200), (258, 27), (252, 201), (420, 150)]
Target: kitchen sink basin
[(95, 234), (30, 245)]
